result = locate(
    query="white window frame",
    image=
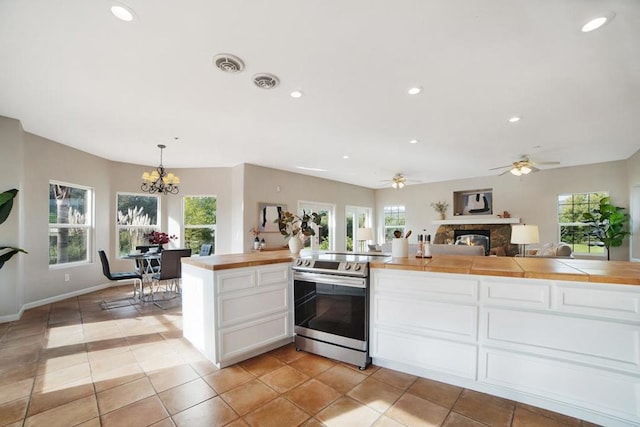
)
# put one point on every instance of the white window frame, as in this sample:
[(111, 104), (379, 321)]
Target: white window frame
[(156, 227), (317, 207), (581, 224), (354, 213), (397, 209), (209, 226), (89, 225)]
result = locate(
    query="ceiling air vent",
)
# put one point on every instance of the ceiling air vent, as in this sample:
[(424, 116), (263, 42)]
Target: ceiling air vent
[(228, 63), (265, 81)]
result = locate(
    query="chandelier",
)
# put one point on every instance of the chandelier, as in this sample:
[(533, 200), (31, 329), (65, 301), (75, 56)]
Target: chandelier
[(159, 180)]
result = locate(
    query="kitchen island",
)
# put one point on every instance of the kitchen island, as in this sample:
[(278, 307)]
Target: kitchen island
[(561, 334)]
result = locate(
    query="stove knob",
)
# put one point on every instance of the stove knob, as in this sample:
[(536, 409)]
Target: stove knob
[(299, 261), (307, 263), (347, 267), (357, 267)]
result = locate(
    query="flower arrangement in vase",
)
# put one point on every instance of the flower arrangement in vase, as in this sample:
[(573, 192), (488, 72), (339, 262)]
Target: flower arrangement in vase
[(296, 228), (160, 238), (256, 240), (441, 208)]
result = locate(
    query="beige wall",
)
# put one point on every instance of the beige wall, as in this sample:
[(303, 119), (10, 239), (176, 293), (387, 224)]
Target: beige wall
[(11, 234), (265, 185), (633, 169), (533, 197), (28, 162)]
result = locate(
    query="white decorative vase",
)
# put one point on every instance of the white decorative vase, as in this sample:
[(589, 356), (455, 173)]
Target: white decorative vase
[(295, 245)]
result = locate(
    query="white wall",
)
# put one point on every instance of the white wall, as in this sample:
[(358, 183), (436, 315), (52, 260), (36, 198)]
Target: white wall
[(633, 178), (533, 197)]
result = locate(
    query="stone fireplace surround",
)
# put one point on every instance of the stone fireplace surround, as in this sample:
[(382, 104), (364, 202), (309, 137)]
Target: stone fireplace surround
[(500, 239)]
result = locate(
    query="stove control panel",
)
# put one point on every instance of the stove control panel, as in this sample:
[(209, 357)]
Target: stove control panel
[(334, 267)]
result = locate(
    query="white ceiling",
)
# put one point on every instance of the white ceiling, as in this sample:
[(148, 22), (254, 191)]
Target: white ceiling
[(73, 73)]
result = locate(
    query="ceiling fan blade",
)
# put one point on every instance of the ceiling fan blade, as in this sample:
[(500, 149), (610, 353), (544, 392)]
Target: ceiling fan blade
[(501, 167), (502, 173), (546, 163)]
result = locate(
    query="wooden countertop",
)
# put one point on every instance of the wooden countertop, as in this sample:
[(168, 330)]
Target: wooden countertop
[(225, 262), (583, 270)]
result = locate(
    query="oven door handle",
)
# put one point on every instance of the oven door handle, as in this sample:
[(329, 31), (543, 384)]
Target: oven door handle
[(328, 279)]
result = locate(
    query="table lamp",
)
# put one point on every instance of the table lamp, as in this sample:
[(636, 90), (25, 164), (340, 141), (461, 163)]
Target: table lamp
[(364, 234), (523, 235)]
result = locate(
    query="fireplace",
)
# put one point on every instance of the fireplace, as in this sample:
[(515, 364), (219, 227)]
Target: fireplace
[(473, 238)]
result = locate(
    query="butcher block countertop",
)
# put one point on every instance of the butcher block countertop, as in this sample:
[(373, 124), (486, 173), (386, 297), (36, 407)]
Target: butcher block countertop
[(584, 270), (252, 259), (581, 270)]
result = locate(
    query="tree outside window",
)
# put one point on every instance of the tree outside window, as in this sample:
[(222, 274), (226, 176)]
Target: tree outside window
[(571, 228), (199, 213), (394, 219), (70, 223), (136, 216)]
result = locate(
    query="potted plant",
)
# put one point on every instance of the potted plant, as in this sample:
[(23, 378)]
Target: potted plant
[(295, 228), (441, 208), (608, 224), (6, 204)]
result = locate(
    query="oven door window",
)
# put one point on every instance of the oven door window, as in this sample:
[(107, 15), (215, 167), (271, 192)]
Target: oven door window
[(334, 309)]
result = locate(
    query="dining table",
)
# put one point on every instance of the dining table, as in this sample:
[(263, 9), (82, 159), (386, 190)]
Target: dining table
[(145, 267)]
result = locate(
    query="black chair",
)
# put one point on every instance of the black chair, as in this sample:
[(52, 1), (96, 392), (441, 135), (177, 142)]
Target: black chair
[(205, 250), (169, 275), (123, 276)]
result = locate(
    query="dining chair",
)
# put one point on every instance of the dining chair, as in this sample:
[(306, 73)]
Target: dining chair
[(205, 250), (169, 275), (122, 276)]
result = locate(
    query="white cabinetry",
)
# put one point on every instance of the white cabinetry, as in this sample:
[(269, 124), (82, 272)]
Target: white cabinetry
[(571, 347), (232, 315)]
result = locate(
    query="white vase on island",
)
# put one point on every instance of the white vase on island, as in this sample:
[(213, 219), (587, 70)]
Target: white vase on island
[(295, 244)]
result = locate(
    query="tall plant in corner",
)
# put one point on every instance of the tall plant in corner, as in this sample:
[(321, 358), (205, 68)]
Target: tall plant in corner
[(6, 204), (607, 223)]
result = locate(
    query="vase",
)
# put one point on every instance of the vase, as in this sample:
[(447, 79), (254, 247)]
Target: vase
[(295, 245), (442, 215)]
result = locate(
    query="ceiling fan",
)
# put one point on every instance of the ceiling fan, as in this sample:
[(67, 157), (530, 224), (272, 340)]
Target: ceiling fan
[(523, 166), (399, 181)]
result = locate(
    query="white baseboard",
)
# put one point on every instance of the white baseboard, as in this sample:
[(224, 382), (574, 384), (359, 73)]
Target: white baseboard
[(34, 304)]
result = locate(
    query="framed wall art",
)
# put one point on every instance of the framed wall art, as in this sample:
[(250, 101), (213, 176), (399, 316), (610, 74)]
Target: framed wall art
[(267, 214), (473, 202)]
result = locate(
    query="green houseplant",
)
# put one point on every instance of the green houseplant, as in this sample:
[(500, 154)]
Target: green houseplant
[(6, 204), (608, 224), (292, 225)]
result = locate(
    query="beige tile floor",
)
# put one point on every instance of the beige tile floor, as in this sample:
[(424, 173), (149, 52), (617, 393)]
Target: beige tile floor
[(71, 363)]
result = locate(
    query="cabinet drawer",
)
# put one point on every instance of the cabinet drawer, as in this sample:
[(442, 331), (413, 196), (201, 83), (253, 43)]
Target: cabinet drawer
[(243, 306), (240, 339), (613, 303), (577, 338), (426, 317), (423, 352), (516, 294), (235, 279), (279, 273), (574, 384), (433, 286)]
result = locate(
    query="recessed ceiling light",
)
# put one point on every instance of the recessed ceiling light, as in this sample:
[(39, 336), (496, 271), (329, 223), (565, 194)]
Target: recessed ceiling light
[(296, 94), (413, 141), (414, 90), (122, 12), (514, 119), (597, 22), (345, 157)]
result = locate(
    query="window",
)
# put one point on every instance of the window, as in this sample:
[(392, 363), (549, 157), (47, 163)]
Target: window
[(326, 235), (572, 231), (394, 219), (199, 213), (137, 215), (70, 223), (356, 217)]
